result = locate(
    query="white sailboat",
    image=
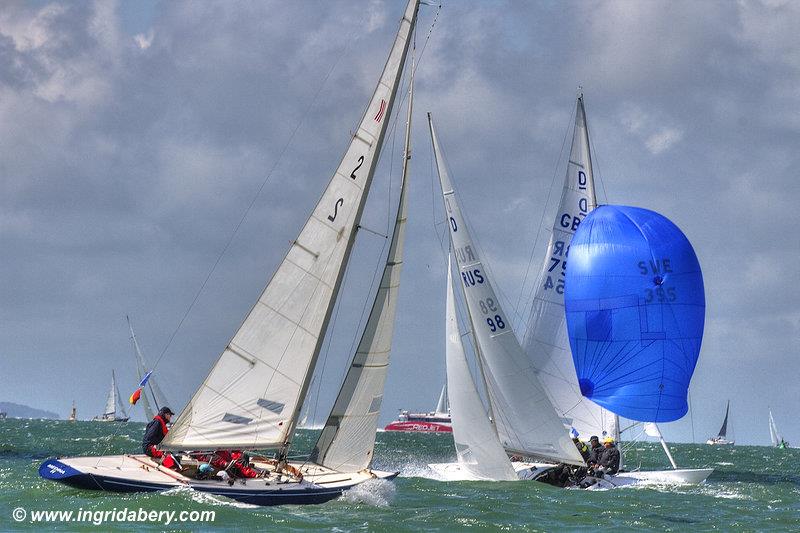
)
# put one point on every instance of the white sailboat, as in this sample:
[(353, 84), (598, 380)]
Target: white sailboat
[(252, 398), (151, 392), (115, 408), (525, 421), (774, 435), (722, 436)]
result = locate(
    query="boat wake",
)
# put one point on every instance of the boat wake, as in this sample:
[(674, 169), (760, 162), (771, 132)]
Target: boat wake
[(375, 492)]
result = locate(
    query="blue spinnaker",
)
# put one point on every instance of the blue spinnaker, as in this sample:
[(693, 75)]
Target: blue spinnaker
[(635, 310)]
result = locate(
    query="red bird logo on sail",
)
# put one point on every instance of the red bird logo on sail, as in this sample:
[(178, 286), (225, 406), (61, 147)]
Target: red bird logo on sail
[(381, 111)]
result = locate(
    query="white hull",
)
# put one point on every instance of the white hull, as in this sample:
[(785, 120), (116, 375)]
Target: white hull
[(457, 472), (689, 476), (719, 441)]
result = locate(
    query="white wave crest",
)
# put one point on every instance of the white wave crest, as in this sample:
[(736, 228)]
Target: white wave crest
[(374, 492)]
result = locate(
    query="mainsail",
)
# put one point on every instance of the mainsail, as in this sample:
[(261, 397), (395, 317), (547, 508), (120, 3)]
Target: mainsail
[(252, 396), (774, 436), (348, 437), (477, 446), (723, 431), (546, 340), (525, 419)]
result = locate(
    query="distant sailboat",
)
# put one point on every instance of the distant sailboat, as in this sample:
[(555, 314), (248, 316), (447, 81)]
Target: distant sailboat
[(436, 421), (774, 435), (152, 392), (73, 415), (253, 395), (722, 437), (115, 408)]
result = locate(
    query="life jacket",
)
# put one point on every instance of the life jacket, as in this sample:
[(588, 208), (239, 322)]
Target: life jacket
[(163, 424)]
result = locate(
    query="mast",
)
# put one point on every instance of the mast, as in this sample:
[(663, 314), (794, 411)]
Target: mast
[(347, 440), (252, 397)]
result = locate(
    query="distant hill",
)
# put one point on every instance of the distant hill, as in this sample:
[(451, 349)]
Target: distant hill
[(15, 410)]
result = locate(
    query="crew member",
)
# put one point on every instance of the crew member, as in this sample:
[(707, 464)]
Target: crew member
[(153, 435), (582, 448), (595, 450), (609, 460)]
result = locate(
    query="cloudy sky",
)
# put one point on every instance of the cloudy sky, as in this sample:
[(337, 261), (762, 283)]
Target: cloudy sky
[(133, 136)]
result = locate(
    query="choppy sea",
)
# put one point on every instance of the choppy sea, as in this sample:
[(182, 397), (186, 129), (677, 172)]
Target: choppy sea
[(753, 488)]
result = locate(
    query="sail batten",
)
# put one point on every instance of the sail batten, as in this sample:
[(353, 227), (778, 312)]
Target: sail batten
[(285, 328), (525, 419)]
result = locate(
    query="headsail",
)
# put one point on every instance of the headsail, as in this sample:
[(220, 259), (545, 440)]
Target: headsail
[(546, 340), (253, 394), (477, 445), (525, 419), (348, 437), (635, 309)]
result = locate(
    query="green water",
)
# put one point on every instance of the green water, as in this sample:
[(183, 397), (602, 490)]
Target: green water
[(752, 488)]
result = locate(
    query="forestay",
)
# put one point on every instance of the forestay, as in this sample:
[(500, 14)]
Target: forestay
[(348, 437), (252, 396), (526, 421), (546, 340), (477, 446)]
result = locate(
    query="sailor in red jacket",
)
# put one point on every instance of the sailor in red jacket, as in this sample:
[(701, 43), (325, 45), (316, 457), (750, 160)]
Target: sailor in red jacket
[(155, 433)]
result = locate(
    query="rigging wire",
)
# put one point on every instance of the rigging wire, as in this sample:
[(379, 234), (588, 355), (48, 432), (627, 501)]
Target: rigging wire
[(529, 299)]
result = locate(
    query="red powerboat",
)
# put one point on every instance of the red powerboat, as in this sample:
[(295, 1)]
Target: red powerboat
[(437, 421)]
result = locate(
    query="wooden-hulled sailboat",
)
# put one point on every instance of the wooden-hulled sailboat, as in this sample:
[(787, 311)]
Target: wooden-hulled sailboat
[(115, 407), (252, 398)]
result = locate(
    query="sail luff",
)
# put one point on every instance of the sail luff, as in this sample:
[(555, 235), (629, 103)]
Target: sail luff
[(525, 419), (477, 445), (347, 440), (251, 398), (546, 341)]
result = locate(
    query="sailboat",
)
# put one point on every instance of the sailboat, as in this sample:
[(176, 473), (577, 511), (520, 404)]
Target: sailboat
[(115, 408), (73, 414), (152, 392), (436, 421), (635, 310), (774, 435), (523, 421), (722, 437), (253, 395)]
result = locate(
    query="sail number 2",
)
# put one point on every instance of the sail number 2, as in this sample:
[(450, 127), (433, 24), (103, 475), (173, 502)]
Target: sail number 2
[(340, 202)]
